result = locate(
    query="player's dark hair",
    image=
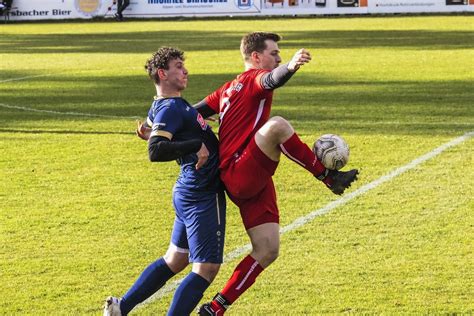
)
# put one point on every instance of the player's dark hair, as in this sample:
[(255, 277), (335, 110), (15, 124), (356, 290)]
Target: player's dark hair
[(255, 42), (160, 60)]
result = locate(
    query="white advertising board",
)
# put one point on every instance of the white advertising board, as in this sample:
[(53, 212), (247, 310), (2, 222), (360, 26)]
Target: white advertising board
[(57, 9), (419, 6), (313, 7), (156, 8), (86, 9)]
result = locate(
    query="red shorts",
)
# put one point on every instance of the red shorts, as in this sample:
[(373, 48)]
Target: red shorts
[(249, 184)]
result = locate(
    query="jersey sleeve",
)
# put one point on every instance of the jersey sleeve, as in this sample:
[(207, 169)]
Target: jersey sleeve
[(258, 79), (167, 121), (213, 100)]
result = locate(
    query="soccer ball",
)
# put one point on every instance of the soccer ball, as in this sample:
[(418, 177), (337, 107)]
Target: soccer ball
[(332, 150)]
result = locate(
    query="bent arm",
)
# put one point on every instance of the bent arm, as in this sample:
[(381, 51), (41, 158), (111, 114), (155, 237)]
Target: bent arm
[(143, 130), (161, 148), (204, 109)]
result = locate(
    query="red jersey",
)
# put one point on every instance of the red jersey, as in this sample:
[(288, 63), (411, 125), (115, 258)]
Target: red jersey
[(243, 106)]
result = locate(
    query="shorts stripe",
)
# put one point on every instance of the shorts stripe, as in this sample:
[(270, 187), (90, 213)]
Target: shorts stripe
[(218, 210), (178, 249)]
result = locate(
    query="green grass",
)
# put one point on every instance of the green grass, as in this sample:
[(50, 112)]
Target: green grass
[(83, 211)]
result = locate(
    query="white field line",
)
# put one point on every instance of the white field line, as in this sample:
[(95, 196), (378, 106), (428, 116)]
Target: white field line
[(22, 108), (329, 207), (55, 74), (24, 78)]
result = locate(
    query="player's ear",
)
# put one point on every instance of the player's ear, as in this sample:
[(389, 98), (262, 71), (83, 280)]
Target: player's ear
[(161, 73), (255, 57)]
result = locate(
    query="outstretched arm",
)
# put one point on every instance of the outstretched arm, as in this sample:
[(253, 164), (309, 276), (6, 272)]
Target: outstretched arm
[(276, 78), (300, 58), (280, 75)]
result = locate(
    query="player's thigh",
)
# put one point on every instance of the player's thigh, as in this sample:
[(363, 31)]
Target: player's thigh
[(179, 237), (274, 132), (248, 175), (259, 209), (265, 237), (204, 216), (177, 255)]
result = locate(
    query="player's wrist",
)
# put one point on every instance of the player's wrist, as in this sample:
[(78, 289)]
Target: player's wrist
[(292, 67)]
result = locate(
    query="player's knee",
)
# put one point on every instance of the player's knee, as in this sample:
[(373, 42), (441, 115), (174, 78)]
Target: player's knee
[(176, 261), (206, 270), (267, 257), (272, 254), (267, 253), (281, 123), (213, 269), (279, 127)]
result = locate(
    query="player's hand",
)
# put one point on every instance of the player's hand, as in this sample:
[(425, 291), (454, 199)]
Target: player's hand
[(211, 119), (300, 58), (202, 155), (143, 131)]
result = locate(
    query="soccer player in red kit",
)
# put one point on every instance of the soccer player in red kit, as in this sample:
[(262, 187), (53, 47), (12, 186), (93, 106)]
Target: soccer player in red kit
[(250, 147)]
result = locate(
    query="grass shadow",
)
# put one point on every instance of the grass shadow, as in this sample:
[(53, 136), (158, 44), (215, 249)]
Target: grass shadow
[(145, 42), (404, 106)]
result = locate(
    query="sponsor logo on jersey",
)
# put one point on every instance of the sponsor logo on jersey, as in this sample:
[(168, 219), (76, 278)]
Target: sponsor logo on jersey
[(238, 87), (201, 121), (158, 126)]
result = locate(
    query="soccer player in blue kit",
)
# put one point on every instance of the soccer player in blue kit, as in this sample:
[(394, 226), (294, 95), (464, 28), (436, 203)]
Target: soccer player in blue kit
[(179, 132)]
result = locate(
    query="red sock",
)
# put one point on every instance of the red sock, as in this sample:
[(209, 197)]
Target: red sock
[(243, 277), (300, 153)]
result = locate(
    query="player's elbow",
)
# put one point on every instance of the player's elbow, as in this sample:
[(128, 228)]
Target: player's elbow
[(152, 154), (155, 152)]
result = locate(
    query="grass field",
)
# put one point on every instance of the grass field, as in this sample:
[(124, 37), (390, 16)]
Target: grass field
[(83, 211)]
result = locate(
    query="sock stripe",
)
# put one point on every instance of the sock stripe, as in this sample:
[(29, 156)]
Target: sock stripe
[(283, 149), (254, 265)]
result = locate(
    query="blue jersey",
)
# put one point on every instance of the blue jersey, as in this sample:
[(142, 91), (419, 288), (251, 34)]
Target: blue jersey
[(178, 117)]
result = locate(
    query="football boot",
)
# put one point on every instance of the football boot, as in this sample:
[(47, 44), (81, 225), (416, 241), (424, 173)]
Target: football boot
[(337, 181)]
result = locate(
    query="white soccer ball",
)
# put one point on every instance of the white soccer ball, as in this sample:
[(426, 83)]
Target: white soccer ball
[(332, 150)]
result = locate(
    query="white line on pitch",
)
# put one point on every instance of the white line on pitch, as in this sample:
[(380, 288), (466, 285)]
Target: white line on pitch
[(301, 221), (26, 77), (57, 73), (66, 113)]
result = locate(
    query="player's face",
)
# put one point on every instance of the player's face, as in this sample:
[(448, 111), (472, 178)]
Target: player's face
[(177, 74), (270, 57)]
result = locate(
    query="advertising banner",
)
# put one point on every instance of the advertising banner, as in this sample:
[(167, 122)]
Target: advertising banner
[(419, 6), (57, 9), (154, 8), (86, 9), (313, 7)]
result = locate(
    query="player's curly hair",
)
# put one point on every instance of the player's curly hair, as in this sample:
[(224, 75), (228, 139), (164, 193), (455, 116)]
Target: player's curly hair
[(160, 60), (255, 42)]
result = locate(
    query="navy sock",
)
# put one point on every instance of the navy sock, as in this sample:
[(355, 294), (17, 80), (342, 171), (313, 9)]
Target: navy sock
[(188, 294), (150, 281)]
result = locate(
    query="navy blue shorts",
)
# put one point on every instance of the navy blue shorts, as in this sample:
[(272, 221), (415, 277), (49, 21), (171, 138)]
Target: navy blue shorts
[(199, 226)]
